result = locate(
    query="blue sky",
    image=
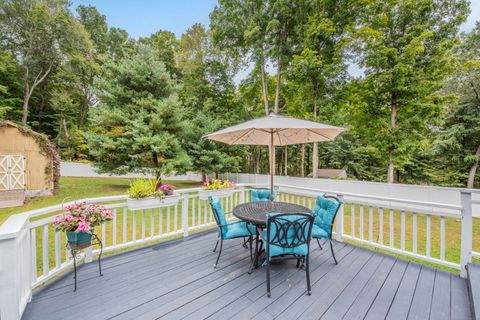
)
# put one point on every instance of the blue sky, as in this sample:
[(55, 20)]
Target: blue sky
[(143, 17)]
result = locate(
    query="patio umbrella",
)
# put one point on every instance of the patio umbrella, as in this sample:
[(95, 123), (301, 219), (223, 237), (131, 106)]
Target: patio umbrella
[(275, 130)]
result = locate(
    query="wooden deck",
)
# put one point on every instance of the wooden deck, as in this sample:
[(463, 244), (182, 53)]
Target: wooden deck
[(176, 280)]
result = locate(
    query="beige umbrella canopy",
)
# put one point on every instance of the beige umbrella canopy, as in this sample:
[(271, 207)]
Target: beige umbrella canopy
[(275, 130)]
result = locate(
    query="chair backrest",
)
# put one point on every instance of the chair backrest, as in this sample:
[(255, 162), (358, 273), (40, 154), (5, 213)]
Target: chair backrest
[(263, 194), (289, 231), (217, 210), (325, 212)]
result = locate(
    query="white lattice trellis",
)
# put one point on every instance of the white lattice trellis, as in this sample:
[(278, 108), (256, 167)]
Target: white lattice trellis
[(12, 172)]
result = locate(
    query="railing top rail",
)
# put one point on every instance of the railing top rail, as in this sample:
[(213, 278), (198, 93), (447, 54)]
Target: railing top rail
[(15, 222), (364, 196)]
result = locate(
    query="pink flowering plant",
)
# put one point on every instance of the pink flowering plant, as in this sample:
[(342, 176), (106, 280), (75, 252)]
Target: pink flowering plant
[(81, 217), (166, 189)]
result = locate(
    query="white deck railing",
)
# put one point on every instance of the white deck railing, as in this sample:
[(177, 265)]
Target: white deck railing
[(31, 252)]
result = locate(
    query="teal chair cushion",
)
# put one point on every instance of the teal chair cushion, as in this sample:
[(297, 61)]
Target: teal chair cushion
[(318, 232), (324, 212), (262, 195), (218, 210), (232, 230), (274, 250), (237, 230)]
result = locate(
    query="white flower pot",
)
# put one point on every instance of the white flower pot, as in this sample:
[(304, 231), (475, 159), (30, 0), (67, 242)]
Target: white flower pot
[(152, 202), (222, 193)]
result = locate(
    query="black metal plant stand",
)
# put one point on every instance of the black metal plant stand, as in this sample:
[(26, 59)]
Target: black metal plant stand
[(74, 250)]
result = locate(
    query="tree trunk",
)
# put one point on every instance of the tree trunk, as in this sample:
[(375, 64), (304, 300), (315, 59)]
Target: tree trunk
[(315, 144), (473, 170), (28, 90), (278, 86), (302, 161), (265, 90), (286, 161), (393, 125)]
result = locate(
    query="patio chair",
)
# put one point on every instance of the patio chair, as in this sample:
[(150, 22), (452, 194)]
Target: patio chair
[(229, 230), (325, 212), (263, 194), (288, 237)]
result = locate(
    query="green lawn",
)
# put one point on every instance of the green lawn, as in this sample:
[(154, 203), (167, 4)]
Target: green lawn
[(78, 188)]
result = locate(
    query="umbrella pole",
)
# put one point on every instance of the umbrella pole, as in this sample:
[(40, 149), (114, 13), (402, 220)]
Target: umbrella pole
[(272, 168)]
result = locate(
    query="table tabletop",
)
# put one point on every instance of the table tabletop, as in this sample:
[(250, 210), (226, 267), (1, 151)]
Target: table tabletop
[(255, 212)]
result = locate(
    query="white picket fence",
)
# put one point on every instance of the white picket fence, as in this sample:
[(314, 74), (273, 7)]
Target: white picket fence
[(31, 252)]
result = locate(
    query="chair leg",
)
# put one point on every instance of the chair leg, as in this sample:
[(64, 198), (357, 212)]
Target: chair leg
[(298, 263), (318, 241), (333, 253), (219, 253), (245, 243), (307, 271), (251, 247), (268, 278), (215, 249)]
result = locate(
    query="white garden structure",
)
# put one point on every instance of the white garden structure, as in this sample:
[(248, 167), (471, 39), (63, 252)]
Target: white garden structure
[(31, 253)]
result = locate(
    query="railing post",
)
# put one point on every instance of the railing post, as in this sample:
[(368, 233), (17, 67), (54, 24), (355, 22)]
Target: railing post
[(185, 214), (15, 272), (466, 244), (242, 195), (339, 220)]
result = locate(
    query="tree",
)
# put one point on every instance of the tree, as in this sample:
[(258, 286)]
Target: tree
[(10, 86), (241, 28), (405, 47), (459, 140), (138, 124), (209, 100), (165, 43), (320, 66), (39, 33)]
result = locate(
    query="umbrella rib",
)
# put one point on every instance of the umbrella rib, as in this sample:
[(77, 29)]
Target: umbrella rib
[(320, 134), (279, 139), (241, 136)]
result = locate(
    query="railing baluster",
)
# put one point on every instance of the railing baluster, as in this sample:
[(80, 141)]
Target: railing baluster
[(168, 220), (134, 225), (442, 238), (199, 213), (380, 226), (143, 223), (58, 253), (414, 231), (402, 231), (391, 229), (304, 201), (208, 212), (361, 221), (370, 224), (152, 222), (175, 218), (33, 245), (160, 221), (193, 210), (114, 227), (124, 231), (45, 250), (104, 233), (199, 207), (352, 219), (205, 212), (428, 235)]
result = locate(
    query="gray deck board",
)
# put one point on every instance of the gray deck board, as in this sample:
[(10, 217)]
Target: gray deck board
[(176, 280)]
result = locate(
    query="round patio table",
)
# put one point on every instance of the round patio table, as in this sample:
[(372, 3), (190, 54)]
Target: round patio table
[(256, 214)]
